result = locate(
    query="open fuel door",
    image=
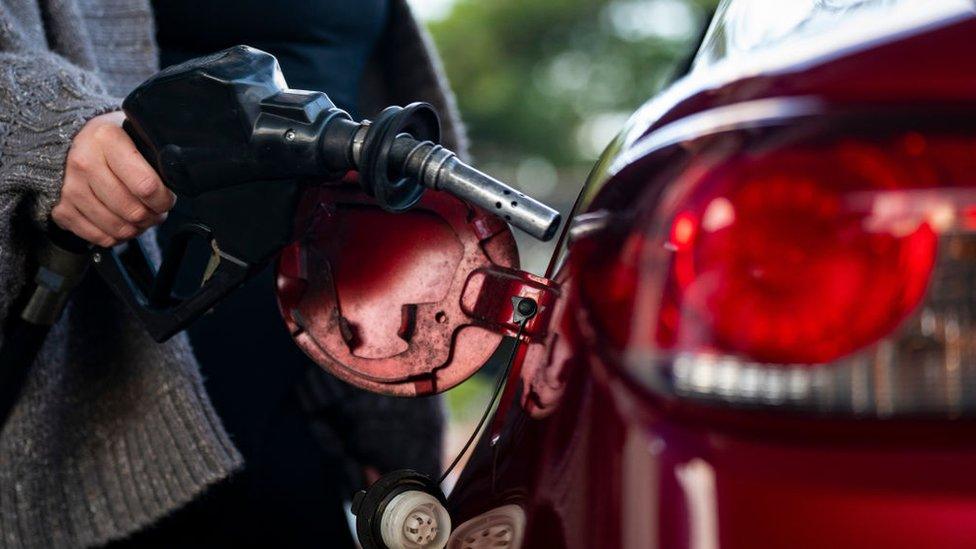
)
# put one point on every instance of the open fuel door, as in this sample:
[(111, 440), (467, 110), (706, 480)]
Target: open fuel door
[(407, 304)]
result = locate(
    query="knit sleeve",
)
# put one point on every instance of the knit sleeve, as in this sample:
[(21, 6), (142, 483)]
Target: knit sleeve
[(44, 102), (112, 431)]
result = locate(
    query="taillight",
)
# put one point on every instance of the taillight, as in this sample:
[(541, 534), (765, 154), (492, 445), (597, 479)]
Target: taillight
[(782, 274), (791, 257)]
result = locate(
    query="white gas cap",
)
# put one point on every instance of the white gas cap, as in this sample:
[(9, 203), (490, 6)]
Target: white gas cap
[(415, 520)]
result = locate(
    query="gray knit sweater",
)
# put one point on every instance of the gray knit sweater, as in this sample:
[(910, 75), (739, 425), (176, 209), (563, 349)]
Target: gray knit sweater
[(114, 431)]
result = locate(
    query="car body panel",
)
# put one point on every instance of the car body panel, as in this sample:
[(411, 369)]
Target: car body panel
[(596, 460)]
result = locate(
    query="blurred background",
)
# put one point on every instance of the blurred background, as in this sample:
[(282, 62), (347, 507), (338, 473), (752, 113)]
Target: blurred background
[(543, 86)]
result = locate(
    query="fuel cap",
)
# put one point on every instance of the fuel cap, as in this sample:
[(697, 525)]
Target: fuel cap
[(376, 298)]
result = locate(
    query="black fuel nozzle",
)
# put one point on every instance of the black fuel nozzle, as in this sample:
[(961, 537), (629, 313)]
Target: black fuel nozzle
[(239, 149), (229, 119)]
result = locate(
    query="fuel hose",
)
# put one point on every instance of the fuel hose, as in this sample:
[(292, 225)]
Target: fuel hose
[(59, 265)]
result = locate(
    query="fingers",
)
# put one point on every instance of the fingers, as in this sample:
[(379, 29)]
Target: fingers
[(133, 171), (115, 196), (79, 196), (110, 192), (70, 219)]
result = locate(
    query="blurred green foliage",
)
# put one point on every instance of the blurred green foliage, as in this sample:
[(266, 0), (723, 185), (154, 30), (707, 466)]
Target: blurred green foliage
[(551, 78)]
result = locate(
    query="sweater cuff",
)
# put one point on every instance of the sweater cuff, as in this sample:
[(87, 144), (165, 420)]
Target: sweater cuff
[(50, 158), (47, 101)]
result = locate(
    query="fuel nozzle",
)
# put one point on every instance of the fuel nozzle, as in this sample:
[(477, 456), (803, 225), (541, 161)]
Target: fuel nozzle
[(239, 149), (243, 125), (398, 156)]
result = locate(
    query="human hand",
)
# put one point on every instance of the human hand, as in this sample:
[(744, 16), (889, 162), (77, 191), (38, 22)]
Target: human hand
[(110, 193)]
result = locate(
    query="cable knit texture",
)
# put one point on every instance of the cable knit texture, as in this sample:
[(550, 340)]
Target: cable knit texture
[(114, 431)]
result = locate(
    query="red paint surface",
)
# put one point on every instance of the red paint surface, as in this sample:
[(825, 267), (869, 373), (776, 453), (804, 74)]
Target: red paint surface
[(597, 461), (376, 299)]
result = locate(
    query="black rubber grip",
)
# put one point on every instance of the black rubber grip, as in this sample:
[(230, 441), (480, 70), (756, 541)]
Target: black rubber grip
[(67, 240)]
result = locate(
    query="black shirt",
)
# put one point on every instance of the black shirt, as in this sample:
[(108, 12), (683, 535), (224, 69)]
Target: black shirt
[(322, 45), (288, 492)]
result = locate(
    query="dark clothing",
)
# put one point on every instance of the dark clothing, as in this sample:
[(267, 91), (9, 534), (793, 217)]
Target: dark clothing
[(247, 357), (292, 485), (115, 432), (321, 45), (286, 496)]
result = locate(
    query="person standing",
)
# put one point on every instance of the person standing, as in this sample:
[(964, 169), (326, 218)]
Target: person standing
[(116, 436)]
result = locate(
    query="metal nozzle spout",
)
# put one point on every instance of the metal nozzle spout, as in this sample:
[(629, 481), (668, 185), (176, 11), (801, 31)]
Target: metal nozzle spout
[(438, 168)]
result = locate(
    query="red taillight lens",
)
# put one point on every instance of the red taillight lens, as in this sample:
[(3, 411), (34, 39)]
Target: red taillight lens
[(776, 257), (784, 273)]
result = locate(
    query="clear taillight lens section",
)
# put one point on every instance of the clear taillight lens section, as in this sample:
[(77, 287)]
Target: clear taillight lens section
[(786, 274)]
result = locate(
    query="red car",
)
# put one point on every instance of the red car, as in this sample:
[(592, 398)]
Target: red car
[(758, 329)]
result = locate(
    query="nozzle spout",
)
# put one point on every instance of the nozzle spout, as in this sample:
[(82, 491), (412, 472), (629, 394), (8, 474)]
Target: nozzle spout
[(397, 156), (439, 168)]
